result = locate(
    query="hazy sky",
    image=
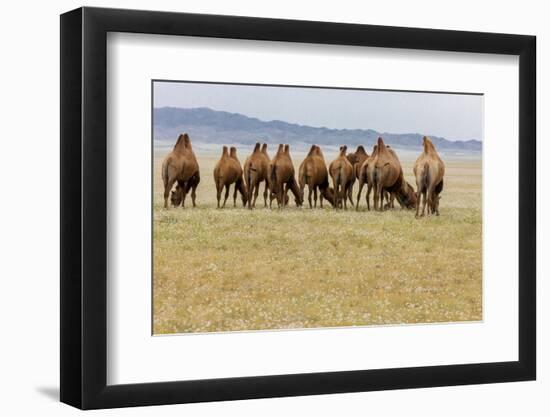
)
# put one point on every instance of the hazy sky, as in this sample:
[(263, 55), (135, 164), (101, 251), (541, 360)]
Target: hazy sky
[(453, 116)]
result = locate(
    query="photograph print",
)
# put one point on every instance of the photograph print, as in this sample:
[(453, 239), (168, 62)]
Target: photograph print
[(289, 207)]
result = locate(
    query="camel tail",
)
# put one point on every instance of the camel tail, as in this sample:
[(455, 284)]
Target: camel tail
[(425, 177), (249, 172)]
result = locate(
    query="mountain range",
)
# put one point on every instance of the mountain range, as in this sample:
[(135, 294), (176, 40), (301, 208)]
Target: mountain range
[(205, 125)]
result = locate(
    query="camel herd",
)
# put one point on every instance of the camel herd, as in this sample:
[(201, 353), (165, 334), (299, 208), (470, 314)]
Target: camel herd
[(381, 171)]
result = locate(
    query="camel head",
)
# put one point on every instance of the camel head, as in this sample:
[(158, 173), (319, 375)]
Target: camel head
[(328, 193), (299, 199), (361, 150), (176, 196), (406, 196), (343, 150)]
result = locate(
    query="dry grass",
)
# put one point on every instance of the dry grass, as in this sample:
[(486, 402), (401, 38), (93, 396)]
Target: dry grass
[(234, 269)]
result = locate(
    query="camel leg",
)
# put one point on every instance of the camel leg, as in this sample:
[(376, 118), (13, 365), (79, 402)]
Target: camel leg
[(219, 188), (167, 188), (265, 194), (375, 198), (235, 196), (431, 199), (379, 195), (424, 200), (336, 195), (315, 196), (436, 204), (350, 194), (302, 189), (184, 190), (361, 184), (369, 189), (285, 197), (280, 195), (183, 195), (345, 197), (309, 191), (249, 195), (256, 191), (226, 195), (194, 194), (418, 197)]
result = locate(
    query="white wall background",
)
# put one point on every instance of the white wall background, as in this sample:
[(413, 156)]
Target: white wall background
[(29, 209)]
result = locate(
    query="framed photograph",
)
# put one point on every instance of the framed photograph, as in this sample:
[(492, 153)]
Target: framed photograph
[(260, 208)]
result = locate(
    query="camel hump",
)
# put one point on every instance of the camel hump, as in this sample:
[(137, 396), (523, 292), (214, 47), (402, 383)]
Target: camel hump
[(287, 148), (360, 149), (343, 150), (280, 149), (257, 147), (428, 145), (225, 151), (312, 150), (183, 141), (264, 148), (233, 152), (380, 143)]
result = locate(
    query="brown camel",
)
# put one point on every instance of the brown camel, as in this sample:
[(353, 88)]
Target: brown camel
[(387, 175), (272, 195), (363, 174), (281, 177), (429, 170), (313, 173), (356, 159), (226, 172), (179, 165), (178, 195), (341, 172), (255, 171)]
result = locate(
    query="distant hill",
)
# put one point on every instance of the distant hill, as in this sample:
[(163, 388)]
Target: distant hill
[(211, 126)]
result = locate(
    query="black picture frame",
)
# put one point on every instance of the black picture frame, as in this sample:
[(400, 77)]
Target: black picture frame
[(84, 207)]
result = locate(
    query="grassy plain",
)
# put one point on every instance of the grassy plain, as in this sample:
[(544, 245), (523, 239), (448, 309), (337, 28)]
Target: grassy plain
[(235, 269)]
